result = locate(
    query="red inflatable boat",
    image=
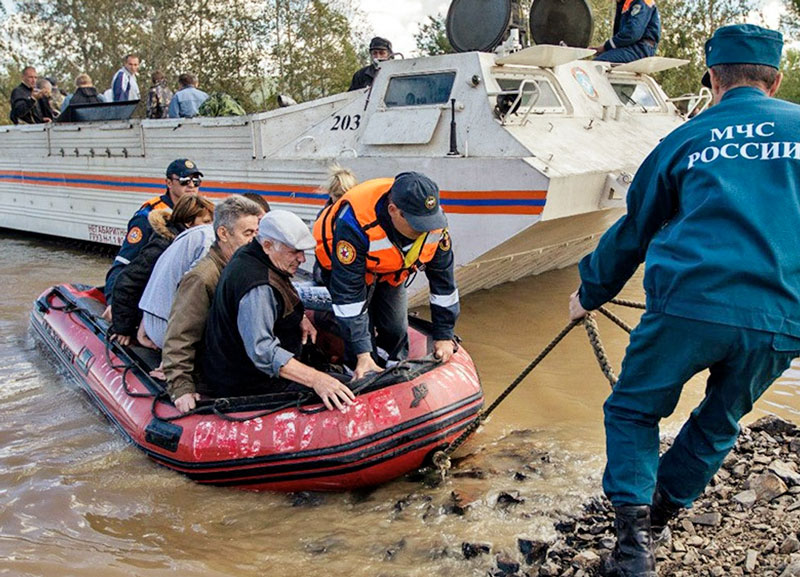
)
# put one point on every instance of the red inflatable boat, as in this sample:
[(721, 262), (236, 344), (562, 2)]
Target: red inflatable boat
[(283, 442)]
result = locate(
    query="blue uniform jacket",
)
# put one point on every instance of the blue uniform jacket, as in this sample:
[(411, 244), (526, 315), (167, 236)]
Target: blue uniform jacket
[(634, 21), (138, 235), (348, 287), (715, 208)]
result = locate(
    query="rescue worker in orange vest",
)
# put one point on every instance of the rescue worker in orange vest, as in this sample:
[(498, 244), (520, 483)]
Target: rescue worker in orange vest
[(370, 244), (183, 177)]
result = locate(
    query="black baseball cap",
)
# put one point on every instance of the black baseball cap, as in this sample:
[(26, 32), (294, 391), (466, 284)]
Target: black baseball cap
[(379, 43), (418, 197), (182, 167)]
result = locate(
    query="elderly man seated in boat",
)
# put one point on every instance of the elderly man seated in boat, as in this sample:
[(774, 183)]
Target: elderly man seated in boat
[(257, 325), (235, 224)]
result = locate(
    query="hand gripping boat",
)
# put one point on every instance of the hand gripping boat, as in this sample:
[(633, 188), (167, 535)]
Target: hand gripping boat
[(278, 442)]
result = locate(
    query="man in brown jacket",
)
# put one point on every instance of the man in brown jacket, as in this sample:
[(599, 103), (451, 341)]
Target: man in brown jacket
[(235, 224)]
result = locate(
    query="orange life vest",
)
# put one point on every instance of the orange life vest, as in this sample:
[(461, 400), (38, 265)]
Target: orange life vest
[(385, 260)]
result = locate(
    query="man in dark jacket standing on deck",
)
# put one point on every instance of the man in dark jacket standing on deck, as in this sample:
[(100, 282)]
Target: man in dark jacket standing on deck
[(25, 106), (715, 211), (380, 49), (183, 177)]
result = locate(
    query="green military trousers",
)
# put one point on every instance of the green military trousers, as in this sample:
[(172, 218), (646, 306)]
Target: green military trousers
[(664, 353)]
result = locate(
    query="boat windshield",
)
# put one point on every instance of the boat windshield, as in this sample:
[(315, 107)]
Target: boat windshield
[(419, 89), (538, 93), (635, 95)]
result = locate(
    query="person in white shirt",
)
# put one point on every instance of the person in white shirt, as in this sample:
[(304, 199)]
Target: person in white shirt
[(124, 85)]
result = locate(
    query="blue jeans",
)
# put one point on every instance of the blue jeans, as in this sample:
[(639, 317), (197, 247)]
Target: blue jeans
[(628, 53), (664, 353)]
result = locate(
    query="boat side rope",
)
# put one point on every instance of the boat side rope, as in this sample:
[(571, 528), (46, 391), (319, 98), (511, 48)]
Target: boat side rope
[(441, 459), (223, 406)]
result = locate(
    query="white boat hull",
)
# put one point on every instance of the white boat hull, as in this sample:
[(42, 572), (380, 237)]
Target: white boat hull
[(524, 194)]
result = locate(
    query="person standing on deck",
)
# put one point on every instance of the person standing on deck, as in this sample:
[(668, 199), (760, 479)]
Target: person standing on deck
[(25, 100), (637, 30), (183, 177), (188, 99), (124, 85), (380, 50), (714, 212), (85, 93), (369, 243), (158, 97)]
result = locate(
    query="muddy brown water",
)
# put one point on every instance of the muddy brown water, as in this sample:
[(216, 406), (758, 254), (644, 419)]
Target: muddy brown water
[(76, 499)]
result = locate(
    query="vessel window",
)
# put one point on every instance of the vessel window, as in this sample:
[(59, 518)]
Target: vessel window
[(538, 94), (635, 95), (419, 90)]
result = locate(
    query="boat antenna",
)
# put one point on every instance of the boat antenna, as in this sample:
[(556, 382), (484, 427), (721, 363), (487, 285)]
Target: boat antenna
[(453, 143)]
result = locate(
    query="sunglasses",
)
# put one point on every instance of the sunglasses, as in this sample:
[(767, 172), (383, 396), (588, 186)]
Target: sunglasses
[(185, 180)]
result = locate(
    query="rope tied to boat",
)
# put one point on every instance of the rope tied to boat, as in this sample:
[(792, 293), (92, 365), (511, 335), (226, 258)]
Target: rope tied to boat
[(441, 459)]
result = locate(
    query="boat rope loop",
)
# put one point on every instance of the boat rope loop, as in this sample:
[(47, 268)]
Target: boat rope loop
[(441, 459)]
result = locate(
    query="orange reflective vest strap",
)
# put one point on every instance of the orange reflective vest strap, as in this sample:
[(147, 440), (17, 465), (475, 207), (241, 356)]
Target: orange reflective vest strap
[(389, 264), (367, 193), (323, 234), (156, 203)]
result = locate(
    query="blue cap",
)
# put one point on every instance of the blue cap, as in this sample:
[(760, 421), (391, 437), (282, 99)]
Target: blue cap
[(418, 197), (743, 44), (183, 167)]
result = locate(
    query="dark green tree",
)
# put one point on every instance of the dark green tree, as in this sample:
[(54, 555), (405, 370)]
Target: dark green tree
[(314, 52), (431, 38), (246, 48), (790, 87), (686, 25)]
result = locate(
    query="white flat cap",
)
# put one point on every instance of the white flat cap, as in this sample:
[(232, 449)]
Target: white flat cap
[(286, 227)]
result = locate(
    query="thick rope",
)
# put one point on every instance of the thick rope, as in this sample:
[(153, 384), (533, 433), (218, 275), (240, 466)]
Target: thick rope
[(616, 320), (441, 459), (590, 324), (628, 303)]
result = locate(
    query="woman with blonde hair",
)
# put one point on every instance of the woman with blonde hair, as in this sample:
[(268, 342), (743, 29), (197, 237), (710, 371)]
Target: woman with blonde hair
[(340, 180)]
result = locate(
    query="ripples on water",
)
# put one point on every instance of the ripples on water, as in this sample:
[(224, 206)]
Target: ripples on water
[(75, 499)]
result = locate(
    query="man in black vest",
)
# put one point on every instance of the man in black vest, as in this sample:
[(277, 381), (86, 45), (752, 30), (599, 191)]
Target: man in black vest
[(257, 327)]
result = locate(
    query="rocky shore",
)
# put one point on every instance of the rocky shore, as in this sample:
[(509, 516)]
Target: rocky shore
[(746, 523)]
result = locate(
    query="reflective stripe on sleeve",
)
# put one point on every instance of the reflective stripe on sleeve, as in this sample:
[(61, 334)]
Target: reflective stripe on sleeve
[(380, 244), (349, 311), (445, 300), (122, 260)]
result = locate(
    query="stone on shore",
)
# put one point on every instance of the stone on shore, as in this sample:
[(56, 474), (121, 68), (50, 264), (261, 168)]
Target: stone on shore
[(746, 523)]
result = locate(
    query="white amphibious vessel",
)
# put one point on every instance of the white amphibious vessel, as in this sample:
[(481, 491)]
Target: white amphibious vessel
[(533, 148)]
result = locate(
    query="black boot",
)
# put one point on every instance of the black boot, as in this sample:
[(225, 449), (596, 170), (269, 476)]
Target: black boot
[(633, 555), (662, 511)]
